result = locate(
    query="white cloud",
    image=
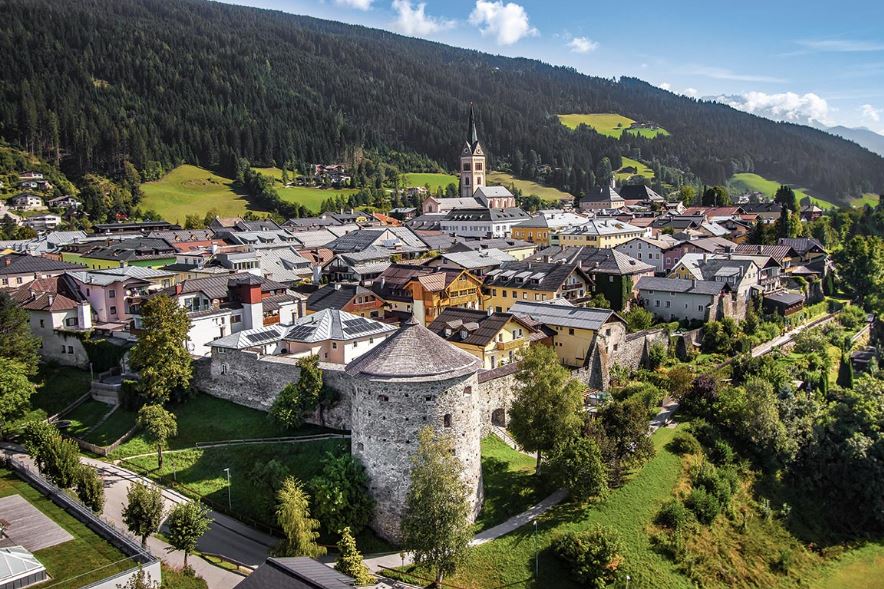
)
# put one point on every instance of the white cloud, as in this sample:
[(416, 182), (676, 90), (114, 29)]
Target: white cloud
[(413, 20), (692, 92), (871, 113), (357, 4), (582, 45), (665, 85), (785, 106), (719, 73), (842, 45), (507, 23)]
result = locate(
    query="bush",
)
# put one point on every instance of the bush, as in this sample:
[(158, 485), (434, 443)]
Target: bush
[(684, 443), (341, 497), (718, 482), (657, 355), (595, 556), (703, 504), (673, 515), (648, 394), (721, 452), (577, 465), (270, 474)]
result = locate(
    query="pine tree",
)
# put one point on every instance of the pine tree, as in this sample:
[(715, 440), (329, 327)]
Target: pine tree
[(845, 372), (351, 563)]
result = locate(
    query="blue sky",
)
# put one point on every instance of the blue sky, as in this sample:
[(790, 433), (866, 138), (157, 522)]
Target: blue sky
[(788, 60)]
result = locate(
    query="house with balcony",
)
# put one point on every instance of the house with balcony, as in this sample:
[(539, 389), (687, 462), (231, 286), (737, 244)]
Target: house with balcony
[(479, 263), (425, 292), (351, 298), (361, 266), (539, 228), (28, 202), (601, 232), (115, 294), (746, 274), (535, 281)]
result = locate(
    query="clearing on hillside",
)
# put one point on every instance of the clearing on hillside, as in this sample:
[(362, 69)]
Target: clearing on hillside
[(432, 180), (612, 125), (190, 190), (529, 187), (626, 170), (755, 183), (312, 197)]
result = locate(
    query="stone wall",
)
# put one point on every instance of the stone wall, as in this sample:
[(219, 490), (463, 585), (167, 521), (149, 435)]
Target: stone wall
[(496, 390), (631, 352), (386, 419)]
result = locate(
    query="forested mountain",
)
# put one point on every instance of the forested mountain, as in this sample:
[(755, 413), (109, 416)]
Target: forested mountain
[(92, 84)]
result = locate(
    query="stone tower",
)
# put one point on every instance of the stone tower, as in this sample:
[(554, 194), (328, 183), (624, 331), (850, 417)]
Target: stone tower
[(412, 380), (472, 161)]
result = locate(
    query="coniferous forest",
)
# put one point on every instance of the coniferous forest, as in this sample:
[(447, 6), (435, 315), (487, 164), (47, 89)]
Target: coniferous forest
[(92, 85)]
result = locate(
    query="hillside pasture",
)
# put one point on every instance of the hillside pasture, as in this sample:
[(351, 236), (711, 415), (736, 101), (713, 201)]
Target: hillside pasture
[(311, 197), (746, 182), (432, 180), (611, 124), (641, 170), (191, 190), (528, 187)]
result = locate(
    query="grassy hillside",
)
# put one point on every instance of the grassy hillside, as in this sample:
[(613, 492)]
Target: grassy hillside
[(611, 125), (192, 190), (310, 197), (528, 187), (755, 183), (641, 169), (433, 180)]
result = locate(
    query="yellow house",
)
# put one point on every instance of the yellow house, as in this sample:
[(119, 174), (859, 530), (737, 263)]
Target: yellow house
[(495, 338), (425, 292), (541, 227), (577, 329), (534, 281), (600, 233)]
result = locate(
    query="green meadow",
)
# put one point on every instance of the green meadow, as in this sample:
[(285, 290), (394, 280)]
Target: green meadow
[(432, 180), (188, 190), (641, 169), (529, 187), (755, 183), (610, 124)]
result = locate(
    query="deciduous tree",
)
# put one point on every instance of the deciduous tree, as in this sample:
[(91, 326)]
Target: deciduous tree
[(435, 524), (340, 494), (293, 516), (15, 391), (159, 425), (350, 562), (576, 464), (160, 356), (187, 523), (297, 399), (16, 340), (90, 488), (547, 404), (143, 511)]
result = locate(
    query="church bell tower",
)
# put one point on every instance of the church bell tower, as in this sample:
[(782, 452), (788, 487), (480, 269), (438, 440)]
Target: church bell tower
[(472, 161)]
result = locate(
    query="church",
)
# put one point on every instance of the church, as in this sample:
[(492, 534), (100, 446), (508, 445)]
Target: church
[(474, 191)]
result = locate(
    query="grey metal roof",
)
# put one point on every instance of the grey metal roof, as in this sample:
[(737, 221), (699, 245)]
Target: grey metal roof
[(478, 259), (785, 297), (492, 191), (414, 353), (489, 243), (532, 275), (295, 573), (565, 315), (595, 260), (389, 237), (679, 285), (334, 296), (485, 214), (602, 194), (25, 264)]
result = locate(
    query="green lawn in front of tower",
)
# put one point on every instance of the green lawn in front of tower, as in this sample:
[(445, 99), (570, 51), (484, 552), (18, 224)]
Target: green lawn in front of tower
[(508, 481), (509, 561), (204, 418), (433, 180)]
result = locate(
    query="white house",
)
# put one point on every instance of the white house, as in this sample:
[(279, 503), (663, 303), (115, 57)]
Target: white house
[(482, 222), (28, 202), (651, 251), (43, 222)]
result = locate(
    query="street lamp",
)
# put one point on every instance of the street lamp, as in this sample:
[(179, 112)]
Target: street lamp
[(536, 553), (627, 581), (229, 503)]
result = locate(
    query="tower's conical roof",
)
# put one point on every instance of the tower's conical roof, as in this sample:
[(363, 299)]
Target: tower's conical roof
[(472, 134), (414, 353)]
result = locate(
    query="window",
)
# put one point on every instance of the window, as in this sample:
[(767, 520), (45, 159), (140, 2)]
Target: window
[(611, 278), (699, 307), (112, 293), (334, 345), (62, 350), (468, 390), (70, 322), (383, 398), (478, 166), (41, 323), (447, 420), (466, 181), (466, 166), (113, 310), (70, 349), (570, 331), (657, 303), (502, 293), (667, 304)]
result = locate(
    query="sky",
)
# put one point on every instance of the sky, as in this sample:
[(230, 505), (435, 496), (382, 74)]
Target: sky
[(807, 62)]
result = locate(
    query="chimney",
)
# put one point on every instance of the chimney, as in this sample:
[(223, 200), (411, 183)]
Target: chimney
[(760, 249), (51, 299), (7, 260), (84, 315), (337, 286)]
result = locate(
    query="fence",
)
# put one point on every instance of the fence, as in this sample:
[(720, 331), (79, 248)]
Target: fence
[(121, 539), (104, 450)]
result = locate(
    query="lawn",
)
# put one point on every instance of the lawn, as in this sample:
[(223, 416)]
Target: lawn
[(508, 479), (509, 560), (86, 416), (192, 190), (859, 567), (868, 198), (200, 472), (529, 187), (275, 173), (434, 181), (755, 183), (312, 197), (204, 418), (641, 169), (75, 563), (58, 387), (120, 422), (612, 125)]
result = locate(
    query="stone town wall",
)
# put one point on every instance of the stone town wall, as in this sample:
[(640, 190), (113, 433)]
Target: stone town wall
[(496, 392), (386, 419), (632, 352)]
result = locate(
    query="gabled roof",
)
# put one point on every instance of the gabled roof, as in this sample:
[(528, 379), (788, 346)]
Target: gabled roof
[(554, 220), (471, 326), (484, 214), (335, 296), (297, 572), (492, 192), (334, 324), (565, 315), (531, 275), (48, 294), (662, 242), (595, 260), (710, 244), (639, 192), (393, 238), (477, 259), (777, 252), (414, 353), (495, 243), (602, 194), (136, 248), (217, 287), (802, 245), (678, 285), (602, 226), (392, 283), (25, 264)]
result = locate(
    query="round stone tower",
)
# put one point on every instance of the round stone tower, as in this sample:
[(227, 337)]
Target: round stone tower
[(412, 380)]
